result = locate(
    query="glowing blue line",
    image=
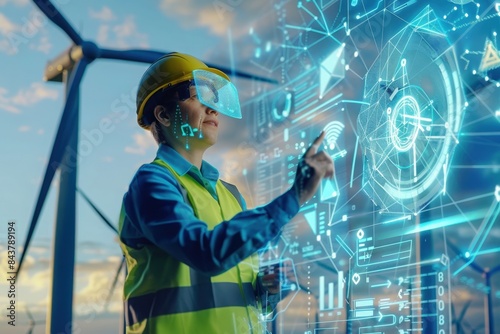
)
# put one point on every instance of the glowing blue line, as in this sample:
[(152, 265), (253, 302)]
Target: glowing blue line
[(355, 102), (448, 221), (298, 111), (473, 255), (305, 91), (317, 108), (371, 11), (344, 245), (407, 217), (354, 160), (488, 251), (483, 230), (338, 155), (293, 47)]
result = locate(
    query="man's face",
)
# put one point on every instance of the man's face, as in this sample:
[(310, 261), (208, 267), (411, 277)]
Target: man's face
[(198, 123)]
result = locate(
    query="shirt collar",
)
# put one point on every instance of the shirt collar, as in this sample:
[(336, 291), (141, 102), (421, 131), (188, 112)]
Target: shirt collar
[(181, 166)]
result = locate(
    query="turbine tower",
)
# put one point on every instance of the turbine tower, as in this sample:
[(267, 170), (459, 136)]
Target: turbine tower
[(69, 68)]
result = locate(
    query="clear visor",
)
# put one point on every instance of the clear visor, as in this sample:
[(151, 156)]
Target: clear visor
[(217, 93)]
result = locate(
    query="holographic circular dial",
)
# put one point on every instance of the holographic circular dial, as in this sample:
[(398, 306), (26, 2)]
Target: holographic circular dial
[(409, 126)]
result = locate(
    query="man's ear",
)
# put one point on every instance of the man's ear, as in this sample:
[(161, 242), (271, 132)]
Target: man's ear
[(161, 115)]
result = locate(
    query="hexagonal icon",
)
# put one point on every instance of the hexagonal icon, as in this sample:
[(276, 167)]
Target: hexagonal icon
[(409, 126)]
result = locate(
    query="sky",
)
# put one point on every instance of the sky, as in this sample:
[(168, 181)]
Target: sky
[(30, 111), (224, 33)]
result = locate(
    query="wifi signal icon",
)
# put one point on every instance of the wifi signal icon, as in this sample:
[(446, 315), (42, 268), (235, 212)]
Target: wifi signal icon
[(332, 133)]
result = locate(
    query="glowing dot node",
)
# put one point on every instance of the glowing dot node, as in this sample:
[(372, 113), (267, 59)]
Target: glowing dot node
[(347, 67), (356, 53), (444, 17), (474, 72), (403, 62), (466, 15), (467, 254)]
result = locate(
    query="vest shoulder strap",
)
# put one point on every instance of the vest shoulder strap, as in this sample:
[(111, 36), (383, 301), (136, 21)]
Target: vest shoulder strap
[(233, 190), (230, 187)]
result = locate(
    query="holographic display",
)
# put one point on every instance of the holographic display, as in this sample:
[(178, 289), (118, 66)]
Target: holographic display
[(406, 234)]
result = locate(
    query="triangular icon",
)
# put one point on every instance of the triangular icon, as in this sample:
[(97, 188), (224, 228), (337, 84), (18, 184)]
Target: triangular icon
[(311, 220), (427, 21), (331, 67), (491, 57), (328, 190)]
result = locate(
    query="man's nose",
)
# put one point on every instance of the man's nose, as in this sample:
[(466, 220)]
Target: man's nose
[(211, 111)]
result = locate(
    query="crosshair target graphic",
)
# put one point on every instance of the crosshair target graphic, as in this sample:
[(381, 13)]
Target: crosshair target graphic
[(408, 130)]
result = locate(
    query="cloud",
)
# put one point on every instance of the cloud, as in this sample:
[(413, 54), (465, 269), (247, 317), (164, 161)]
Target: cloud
[(105, 14), (19, 3), (24, 128), (34, 94), (5, 102), (122, 35), (43, 45), (93, 280), (142, 142), (6, 25), (217, 18), (31, 33)]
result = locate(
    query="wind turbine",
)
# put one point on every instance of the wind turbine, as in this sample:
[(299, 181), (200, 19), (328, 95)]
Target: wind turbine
[(69, 68), (486, 273)]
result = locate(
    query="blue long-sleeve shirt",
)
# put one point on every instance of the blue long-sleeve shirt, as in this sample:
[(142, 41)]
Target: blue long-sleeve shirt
[(156, 212)]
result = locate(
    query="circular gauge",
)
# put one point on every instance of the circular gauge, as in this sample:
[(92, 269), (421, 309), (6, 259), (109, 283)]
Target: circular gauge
[(408, 128)]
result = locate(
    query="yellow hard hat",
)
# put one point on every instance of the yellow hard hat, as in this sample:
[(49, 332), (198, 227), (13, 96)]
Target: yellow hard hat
[(169, 70)]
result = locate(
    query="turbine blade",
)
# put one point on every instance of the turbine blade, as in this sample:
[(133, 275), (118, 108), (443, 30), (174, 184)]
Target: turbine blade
[(55, 16), (150, 56), (106, 220), (462, 314), (140, 56), (114, 283), (58, 149)]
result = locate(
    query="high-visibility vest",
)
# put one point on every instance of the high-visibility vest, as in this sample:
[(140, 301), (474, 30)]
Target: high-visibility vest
[(163, 295)]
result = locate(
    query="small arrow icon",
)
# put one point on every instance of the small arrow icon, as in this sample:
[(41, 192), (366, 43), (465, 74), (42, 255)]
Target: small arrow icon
[(381, 316), (388, 283), (400, 293)]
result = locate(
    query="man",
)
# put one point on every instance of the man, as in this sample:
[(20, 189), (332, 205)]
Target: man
[(190, 248)]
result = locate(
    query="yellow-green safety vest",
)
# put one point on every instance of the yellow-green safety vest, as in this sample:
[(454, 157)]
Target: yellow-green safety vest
[(163, 295)]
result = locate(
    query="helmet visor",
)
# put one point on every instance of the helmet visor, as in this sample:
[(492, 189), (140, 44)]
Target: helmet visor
[(217, 93)]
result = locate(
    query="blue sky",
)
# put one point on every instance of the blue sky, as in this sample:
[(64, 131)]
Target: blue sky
[(30, 110)]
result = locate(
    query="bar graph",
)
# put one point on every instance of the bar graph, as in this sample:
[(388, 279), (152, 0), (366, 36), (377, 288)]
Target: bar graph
[(327, 291)]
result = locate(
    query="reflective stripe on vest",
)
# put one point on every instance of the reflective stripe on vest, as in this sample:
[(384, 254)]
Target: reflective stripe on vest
[(189, 299)]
